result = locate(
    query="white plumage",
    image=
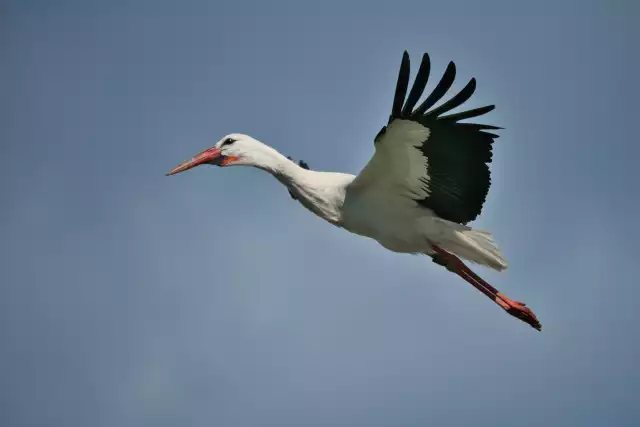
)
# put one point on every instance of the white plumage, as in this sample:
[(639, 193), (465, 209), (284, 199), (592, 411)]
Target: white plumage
[(429, 176)]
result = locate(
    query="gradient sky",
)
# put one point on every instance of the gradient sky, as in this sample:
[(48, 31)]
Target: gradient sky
[(212, 299)]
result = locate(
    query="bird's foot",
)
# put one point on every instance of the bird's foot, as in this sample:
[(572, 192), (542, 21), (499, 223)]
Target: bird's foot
[(519, 310)]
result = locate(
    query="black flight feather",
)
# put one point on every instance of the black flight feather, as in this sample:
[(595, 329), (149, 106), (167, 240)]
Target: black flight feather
[(468, 114), (459, 99), (443, 86), (401, 85), (477, 127), (419, 84)]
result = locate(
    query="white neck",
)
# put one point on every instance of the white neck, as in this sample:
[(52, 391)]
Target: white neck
[(322, 193)]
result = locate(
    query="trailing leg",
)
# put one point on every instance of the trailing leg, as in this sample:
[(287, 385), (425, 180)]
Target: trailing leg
[(515, 308)]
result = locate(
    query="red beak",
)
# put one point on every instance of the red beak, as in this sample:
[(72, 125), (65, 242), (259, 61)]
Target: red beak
[(210, 156)]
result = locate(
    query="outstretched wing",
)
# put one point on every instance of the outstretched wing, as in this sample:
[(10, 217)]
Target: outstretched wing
[(431, 157)]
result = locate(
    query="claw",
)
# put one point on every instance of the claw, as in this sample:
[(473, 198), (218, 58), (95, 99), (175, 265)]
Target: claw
[(519, 310)]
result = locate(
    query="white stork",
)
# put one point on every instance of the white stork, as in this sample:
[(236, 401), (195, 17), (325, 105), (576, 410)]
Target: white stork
[(428, 178)]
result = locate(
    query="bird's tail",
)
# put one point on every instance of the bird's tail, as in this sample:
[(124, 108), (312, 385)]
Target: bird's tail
[(473, 245)]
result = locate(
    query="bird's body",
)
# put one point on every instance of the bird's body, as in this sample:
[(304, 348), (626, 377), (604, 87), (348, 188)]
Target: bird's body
[(392, 219), (428, 178)]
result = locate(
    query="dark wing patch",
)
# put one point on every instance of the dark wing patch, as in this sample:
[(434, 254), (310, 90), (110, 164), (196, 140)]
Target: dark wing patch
[(458, 172), (458, 154)]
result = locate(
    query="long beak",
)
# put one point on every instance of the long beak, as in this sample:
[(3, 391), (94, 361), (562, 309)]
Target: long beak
[(207, 156)]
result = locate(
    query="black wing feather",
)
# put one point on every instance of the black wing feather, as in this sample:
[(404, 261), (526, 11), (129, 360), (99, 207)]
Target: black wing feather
[(419, 84), (468, 114), (460, 98), (443, 86), (401, 85), (458, 154), (477, 127)]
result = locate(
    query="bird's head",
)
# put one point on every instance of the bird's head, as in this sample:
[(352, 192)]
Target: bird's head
[(232, 150)]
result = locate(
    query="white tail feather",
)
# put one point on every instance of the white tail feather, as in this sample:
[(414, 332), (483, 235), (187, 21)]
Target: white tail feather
[(473, 245)]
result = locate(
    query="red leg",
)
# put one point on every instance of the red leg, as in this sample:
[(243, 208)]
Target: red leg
[(515, 308)]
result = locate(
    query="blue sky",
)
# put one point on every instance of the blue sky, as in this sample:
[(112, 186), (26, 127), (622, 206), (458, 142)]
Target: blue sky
[(211, 298)]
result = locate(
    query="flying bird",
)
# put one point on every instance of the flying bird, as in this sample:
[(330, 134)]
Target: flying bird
[(428, 178)]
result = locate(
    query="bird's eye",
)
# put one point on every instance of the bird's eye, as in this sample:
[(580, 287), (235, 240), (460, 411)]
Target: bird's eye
[(228, 141)]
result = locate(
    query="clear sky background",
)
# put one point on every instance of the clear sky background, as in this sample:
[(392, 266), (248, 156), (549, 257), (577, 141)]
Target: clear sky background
[(212, 299)]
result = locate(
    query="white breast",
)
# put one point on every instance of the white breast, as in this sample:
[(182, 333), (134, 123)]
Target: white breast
[(395, 222)]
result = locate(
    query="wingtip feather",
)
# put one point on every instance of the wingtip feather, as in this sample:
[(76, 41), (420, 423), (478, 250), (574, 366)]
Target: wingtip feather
[(440, 90), (419, 83), (401, 85)]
